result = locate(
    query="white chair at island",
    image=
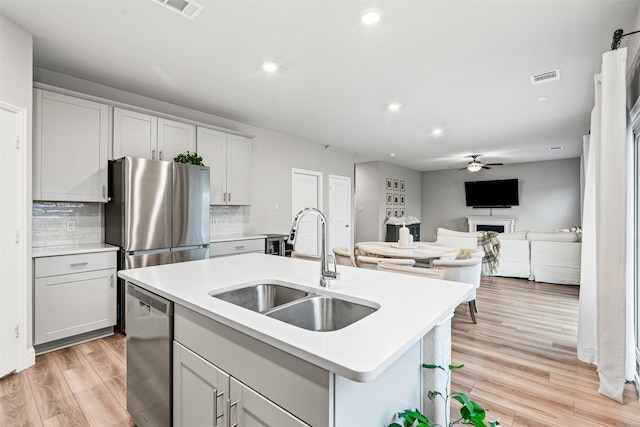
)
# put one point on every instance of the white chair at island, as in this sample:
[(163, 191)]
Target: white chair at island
[(371, 262), (343, 256), (466, 271), (433, 273)]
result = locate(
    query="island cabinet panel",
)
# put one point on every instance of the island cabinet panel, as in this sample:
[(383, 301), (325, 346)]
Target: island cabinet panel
[(200, 390), (70, 148), (299, 387)]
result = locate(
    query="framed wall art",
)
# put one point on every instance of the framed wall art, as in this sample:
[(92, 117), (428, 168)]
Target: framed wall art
[(396, 213), (389, 198), (396, 185), (402, 199), (396, 199), (389, 184), (389, 212), (401, 185)]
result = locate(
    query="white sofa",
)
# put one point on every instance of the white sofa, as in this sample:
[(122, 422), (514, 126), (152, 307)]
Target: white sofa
[(544, 257), (555, 257)]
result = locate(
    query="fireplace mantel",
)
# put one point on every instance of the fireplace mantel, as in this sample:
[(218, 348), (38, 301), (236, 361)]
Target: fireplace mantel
[(502, 224)]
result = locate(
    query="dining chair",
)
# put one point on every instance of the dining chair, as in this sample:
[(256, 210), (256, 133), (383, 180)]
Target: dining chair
[(465, 271), (343, 256), (433, 273), (371, 262), (302, 255)]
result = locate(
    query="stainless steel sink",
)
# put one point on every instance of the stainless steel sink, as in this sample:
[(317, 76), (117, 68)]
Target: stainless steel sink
[(262, 297), (321, 313)]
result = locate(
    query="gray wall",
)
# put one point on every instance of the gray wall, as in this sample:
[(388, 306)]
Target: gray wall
[(370, 199), (549, 196), (274, 155)]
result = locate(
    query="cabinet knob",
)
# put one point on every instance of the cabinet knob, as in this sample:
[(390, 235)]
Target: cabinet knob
[(160, 155)]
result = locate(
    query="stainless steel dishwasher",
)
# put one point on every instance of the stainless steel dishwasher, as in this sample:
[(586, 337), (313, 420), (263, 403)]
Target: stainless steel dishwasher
[(149, 341)]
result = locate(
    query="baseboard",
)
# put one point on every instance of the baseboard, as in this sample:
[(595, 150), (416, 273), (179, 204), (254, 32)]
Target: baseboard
[(29, 358)]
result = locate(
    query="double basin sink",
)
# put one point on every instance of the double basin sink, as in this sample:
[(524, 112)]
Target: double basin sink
[(297, 307)]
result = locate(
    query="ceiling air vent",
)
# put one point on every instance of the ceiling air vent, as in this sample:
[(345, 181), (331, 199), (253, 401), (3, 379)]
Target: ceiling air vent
[(186, 8), (545, 77)]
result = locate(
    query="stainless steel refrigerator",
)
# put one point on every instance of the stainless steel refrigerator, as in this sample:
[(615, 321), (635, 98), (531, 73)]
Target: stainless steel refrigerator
[(158, 213)]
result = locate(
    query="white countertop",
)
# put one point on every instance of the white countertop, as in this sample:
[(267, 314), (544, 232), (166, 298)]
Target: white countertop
[(232, 237), (410, 306), (45, 251)]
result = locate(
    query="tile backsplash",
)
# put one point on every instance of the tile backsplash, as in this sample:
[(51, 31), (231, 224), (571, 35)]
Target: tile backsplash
[(67, 223), (74, 223), (227, 220)]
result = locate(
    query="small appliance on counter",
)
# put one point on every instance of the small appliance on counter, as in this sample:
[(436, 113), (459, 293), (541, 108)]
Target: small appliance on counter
[(277, 245), (158, 213)]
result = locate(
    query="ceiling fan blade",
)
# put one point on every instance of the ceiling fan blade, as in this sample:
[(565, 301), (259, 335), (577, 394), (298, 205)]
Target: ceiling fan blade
[(461, 169), (495, 164), (485, 167)]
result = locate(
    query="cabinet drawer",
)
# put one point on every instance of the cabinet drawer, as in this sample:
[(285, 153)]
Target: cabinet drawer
[(66, 264), (237, 247)]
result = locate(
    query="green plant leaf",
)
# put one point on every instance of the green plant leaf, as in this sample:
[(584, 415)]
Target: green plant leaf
[(432, 394), (456, 366), (426, 366)]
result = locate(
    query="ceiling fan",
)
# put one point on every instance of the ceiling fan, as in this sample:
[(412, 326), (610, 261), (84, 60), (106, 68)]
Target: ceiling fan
[(474, 165)]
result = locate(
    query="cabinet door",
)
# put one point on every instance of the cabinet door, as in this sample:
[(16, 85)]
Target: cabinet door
[(239, 170), (249, 409), (134, 134), (174, 138), (212, 146), (70, 148), (200, 390), (72, 304)]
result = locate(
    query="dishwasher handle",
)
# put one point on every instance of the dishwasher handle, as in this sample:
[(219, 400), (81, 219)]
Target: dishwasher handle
[(150, 300)]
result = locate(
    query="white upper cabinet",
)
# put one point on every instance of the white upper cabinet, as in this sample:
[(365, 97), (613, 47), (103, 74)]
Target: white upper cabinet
[(175, 138), (230, 159), (70, 149), (143, 135)]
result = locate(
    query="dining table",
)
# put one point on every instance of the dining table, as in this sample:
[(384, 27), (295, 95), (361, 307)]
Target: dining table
[(418, 250)]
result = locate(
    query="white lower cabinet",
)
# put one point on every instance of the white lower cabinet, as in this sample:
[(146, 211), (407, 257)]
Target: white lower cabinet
[(237, 247), (204, 395), (73, 294)]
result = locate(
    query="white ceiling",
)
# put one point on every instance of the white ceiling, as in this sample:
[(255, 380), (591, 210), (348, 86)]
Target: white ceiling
[(462, 66)]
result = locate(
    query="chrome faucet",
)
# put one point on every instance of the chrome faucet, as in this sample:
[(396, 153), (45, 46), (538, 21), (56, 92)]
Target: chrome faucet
[(326, 273)]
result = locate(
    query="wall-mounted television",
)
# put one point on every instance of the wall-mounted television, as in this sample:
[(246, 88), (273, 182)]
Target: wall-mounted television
[(502, 193)]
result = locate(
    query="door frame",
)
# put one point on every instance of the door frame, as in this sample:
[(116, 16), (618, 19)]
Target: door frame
[(25, 356), (320, 177)]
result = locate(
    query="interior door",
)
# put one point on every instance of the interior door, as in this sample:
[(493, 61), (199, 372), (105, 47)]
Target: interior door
[(339, 211), (306, 192), (9, 241)]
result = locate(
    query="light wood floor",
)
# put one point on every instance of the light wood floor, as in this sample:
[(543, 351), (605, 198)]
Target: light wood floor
[(519, 362)]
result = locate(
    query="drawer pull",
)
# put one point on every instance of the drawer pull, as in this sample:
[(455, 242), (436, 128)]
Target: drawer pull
[(240, 247), (79, 264)]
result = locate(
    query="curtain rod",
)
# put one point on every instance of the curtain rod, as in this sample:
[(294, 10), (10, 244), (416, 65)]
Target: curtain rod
[(617, 37)]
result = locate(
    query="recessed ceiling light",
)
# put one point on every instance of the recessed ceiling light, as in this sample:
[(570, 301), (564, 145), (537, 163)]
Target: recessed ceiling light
[(394, 106), (541, 98), (555, 148), (371, 16), (392, 154), (436, 132), (270, 66)]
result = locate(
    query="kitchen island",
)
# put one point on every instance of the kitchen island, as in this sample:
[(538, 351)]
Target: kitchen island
[(358, 375)]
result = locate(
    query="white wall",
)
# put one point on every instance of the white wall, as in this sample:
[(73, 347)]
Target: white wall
[(274, 155), (370, 198), (16, 67), (549, 196)]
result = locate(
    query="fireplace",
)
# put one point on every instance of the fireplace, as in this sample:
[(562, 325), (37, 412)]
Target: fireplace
[(501, 224)]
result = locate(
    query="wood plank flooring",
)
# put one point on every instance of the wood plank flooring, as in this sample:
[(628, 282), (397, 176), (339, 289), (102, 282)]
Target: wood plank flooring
[(520, 359), (519, 362)]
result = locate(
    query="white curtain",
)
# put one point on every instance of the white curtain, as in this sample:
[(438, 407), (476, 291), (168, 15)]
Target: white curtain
[(605, 334)]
